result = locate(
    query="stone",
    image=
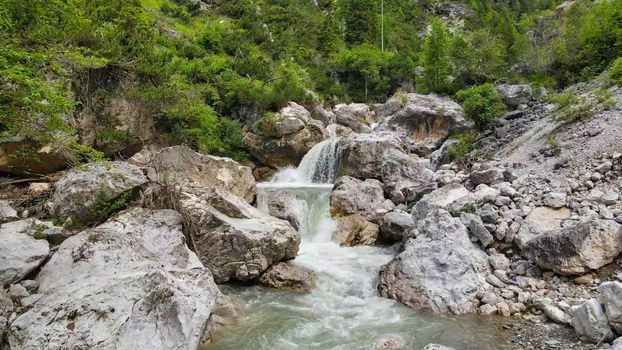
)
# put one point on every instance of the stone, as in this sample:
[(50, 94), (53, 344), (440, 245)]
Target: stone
[(487, 310), (356, 116), (590, 322), (485, 194), (362, 155), (284, 205), (294, 110), (20, 254), (608, 197), (487, 175), (555, 200), (514, 95), (232, 238), (495, 281), (288, 276), (352, 196), (420, 280), (610, 295), (437, 347), (6, 309), (423, 122), (503, 309), (441, 198), (38, 229), (43, 158), (354, 229), (129, 283), (84, 192), (578, 249), (289, 126), (499, 262), (395, 226), (556, 315), (539, 221), (180, 165), (406, 177), (7, 213), (17, 292), (477, 228), (443, 154)]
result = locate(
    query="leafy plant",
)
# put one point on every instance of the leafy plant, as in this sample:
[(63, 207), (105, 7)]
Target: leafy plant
[(481, 104)]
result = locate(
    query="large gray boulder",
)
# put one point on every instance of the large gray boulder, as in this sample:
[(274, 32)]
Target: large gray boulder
[(287, 276), (284, 205), (356, 116), (406, 177), (180, 165), (423, 122), (354, 229), (86, 193), (610, 295), (590, 322), (352, 196), (234, 239), (7, 213), (20, 254), (362, 155), (578, 249), (131, 283), (539, 221), (439, 271), (451, 197), (396, 226), (514, 95), (6, 309)]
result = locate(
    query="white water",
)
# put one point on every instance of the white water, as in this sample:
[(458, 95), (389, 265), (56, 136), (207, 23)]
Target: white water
[(344, 311)]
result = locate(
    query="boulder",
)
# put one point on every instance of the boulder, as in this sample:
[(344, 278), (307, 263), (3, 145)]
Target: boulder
[(23, 158), (439, 271), (437, 347), (423, 122), (37, 228), (590, 322), (442, 155), (396, 225), (6, 309), (354, 229), (352, 196), (449, 197), (486, 174), (89, 193), (232, 238), (578, 249), (356, 116), (288, 276), (294, 110), (338, 130), (514, 95), (7, 213), (179, 165), (406, 178), (362, 155), (610, 295), (131, 283), (476, 227), (539, 221), (20, 254), (284, 205), (289, 126)]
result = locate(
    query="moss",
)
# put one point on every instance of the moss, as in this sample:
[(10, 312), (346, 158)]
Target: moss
[(266, 125), (104, 207)]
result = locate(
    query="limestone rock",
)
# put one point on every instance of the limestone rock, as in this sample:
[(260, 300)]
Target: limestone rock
[(610, 295), (351, 196), (477, 228), (423, 122), (6, 309), (437, 347), (289, 126), (395, 226), (7, 213), (362, 155), (590, 322), (179, 165), (355, 229), (20, 254), (406, 178), (356, 116), (130, 283), (233, 239), (82, 193), (284, 205), (487, 175), (442, 198), (41, 159), (287, 276), (539, 221), (37, 228), (514, 95), (419, 278), (578, 249)]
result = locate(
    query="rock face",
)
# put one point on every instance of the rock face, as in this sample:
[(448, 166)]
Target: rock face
[(37, 228), (287, 276), (356, 116), (362, 154), (6, 309), (284, 205), (286, 138), (514, 95), (590, 322), (130, 283), (232, 238), (351, 196), (84, 193), (439, 271), (423, 122), (354, 229), (20, 254), (406, 178), (179, 165), (610, 295), (578, 249), (43, 159), (539, 221)]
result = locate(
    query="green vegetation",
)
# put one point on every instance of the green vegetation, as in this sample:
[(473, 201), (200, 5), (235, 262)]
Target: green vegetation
[(463, 147), (481, 104), (616, 71), (206, 72), (571, 107)]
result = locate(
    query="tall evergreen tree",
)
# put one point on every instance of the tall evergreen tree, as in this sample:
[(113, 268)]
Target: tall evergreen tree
[(436, 58), (361, 21)]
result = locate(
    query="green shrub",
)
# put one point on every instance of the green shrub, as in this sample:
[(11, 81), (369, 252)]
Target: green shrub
[(616, 71), (571, 107), (463, 147), (481, 104)]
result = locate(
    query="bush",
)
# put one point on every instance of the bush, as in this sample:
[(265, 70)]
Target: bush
[(463, 147), (481, 104), (616, 71)]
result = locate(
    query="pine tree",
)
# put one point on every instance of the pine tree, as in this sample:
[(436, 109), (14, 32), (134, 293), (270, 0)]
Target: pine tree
[(436, 58), (361, 21)]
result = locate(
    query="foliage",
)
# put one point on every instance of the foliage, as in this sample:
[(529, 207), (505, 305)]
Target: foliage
[(481, 104), (571, 107), (616, 71), (436, 58), (463, 147)]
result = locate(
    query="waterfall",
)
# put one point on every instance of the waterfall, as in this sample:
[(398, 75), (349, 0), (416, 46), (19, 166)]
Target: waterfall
[(319, 166)]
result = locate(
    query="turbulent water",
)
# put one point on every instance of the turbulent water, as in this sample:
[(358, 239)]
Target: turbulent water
[(344, 311)]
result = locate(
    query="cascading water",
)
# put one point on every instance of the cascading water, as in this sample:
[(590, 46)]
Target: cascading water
[(344, 311)]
